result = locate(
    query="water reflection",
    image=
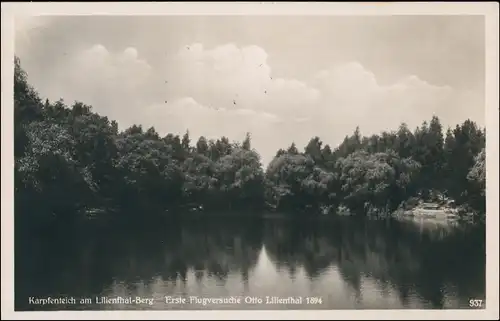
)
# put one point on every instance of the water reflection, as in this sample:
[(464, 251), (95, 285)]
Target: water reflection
[(347, 263)]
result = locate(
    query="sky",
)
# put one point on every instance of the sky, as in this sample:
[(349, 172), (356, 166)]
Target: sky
[(284, 79)]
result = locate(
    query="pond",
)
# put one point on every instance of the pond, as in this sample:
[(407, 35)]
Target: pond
[(240, 263)]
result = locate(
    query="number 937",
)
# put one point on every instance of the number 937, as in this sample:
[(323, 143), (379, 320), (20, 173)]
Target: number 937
[(475, 303)]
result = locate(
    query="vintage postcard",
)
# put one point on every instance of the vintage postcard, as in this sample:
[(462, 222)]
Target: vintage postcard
[(250, 160)]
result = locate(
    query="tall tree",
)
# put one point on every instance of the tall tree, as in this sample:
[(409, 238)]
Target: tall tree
[(293, 149), (246, 143), (186, 141), (202, 146), (313, 149)]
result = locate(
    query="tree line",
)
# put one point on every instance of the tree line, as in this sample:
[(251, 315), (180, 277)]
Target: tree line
[(69, 159)]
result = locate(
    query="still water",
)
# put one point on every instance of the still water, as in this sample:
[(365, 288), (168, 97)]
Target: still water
[(265, 264)]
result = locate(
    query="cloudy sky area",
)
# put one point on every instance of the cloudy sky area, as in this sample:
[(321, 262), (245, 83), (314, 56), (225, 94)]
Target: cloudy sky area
[(283, 78)]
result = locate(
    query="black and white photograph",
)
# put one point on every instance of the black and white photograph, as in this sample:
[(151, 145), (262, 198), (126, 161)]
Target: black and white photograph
[(169, 160)]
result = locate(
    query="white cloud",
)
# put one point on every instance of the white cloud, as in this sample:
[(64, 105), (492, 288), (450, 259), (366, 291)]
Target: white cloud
[(112, 82), (229, 76), (352, 96), (229, 90)]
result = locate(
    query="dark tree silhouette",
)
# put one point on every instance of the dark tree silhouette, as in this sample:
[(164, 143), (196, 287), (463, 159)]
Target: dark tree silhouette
[(70, 161)]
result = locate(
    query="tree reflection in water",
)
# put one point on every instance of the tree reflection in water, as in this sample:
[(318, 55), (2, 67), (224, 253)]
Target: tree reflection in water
[(349, 263)]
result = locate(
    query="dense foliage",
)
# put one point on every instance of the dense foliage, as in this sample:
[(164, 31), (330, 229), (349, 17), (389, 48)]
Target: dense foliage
[(70, 161)]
